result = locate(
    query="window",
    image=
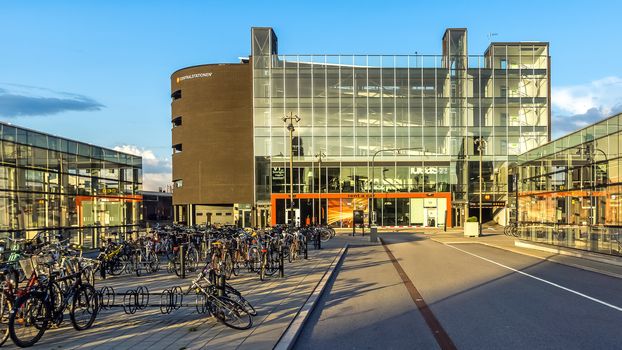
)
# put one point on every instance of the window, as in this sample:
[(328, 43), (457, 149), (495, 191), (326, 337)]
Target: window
[(177, 148), (178, 183), (177, 122), (176, 95), (504, 63), (503, 91)]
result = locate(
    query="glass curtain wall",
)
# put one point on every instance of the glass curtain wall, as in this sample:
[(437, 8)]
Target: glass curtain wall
[(355, 108), (569, 190), (48, 182)]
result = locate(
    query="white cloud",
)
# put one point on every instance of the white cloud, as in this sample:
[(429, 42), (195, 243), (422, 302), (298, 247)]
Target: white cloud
[(149, 157), (156, 171), (577, 106), (603, 94), (155, 181)]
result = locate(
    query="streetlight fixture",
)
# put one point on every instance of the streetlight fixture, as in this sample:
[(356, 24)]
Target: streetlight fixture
[(481, 147), (320, 155), (289, 121), (373, 176)]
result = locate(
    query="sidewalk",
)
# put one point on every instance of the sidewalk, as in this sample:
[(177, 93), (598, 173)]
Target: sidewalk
[(276, 300), (497, 239)]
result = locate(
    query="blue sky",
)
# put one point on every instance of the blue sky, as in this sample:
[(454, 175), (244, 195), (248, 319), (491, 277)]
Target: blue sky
[(99, 71)]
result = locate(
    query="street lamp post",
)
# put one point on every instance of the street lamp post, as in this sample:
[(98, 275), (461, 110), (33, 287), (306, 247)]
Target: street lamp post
[(481, 147), (373, 177), (289, 120), (590, 158), (320, 156)]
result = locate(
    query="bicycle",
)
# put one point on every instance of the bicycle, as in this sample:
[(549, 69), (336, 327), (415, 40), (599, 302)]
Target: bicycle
[(43, 305), (226, 310)]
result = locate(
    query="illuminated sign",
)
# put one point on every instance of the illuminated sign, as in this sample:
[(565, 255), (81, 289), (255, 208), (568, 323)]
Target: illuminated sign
[(194, 76)]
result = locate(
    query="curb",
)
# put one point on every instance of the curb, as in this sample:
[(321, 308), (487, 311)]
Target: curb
[(288, 338), (562, 251)]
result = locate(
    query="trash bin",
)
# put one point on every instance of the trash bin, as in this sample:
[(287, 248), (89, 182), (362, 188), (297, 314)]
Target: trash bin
[(373, 234)]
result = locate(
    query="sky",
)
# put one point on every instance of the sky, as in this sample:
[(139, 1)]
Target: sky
[(99, 71)]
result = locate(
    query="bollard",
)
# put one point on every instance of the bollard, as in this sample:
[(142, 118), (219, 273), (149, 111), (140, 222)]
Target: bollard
[(182, 261), (319, 241), (102, 269), (221, 285), (306, 247), (373, 235), (281, 262)]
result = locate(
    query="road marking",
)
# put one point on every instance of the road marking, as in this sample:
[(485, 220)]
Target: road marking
[(617, 308), (442, 338)]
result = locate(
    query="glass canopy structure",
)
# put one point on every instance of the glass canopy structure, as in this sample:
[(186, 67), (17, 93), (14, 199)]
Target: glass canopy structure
[(569, 191), (48, 183)]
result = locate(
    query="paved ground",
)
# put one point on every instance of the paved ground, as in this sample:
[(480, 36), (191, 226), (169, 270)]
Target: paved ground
[(496, 238), (277, 301), (484, 298), (365, 306)]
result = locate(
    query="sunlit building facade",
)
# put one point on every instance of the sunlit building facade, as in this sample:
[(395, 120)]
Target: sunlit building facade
[(570, 190), (48, 183), (407, 125)]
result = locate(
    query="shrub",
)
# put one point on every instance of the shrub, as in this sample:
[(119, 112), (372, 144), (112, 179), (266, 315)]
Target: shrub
[(472, 219)]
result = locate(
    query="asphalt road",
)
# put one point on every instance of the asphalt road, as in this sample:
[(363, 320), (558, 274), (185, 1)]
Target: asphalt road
[(484, 298)]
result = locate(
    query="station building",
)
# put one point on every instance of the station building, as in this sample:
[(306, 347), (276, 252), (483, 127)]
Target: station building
[(406, 127), (49, 183)]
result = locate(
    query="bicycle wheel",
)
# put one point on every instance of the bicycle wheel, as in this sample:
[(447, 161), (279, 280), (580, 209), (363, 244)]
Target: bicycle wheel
[(29, 319), (231, 313), (115, 266), (5, 310), (228, 266), (177, 266), (137, 262), (233, 294), (154, 262), (264, 265), (325, 235), (84, 307), (192, 260), (88, 274)]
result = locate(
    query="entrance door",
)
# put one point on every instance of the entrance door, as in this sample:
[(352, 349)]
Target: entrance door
[(296, 216), (244, 218), (431, 218)]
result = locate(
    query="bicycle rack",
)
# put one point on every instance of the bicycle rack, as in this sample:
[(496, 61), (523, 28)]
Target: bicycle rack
[(140, 298), (169, 299)]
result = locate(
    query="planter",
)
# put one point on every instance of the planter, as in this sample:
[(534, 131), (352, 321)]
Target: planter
[(471, 229)]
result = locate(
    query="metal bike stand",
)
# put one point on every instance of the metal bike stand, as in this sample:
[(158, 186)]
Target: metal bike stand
[(281, 262), (182, 261)]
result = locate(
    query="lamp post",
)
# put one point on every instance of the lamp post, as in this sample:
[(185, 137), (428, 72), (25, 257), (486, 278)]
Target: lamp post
[(289, 121), (320, 155), (373, 176), (481, 147), (590, 151)]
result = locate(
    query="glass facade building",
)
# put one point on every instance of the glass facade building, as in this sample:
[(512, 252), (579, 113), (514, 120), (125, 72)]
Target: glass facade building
[(570, 192), (48, 182), (406, 125)]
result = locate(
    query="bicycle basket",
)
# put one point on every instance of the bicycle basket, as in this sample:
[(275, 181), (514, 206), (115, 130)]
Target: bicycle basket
[(26, 265)]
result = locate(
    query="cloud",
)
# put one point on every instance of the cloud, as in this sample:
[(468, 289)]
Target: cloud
[(577, 106), (22, 100), (156, 171), (156, 181)]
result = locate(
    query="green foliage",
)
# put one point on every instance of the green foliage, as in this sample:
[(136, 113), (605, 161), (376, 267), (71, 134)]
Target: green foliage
[(472, 219)]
